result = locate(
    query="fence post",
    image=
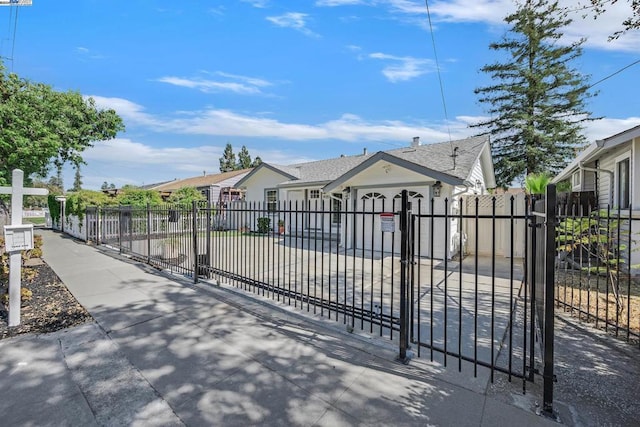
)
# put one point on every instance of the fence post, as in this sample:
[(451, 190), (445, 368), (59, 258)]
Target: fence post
[(404, 266), (194, 222), (549, 298), (120, 229), (148, 233)]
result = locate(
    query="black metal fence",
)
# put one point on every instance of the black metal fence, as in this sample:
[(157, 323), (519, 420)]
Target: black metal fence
[(541, 259), (448, 276), (598, 269)]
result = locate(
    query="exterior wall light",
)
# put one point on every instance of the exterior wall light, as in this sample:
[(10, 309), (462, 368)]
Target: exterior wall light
[(437, 187)]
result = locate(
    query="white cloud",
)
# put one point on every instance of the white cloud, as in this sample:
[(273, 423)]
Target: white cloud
[(84, 52), (295, 20), (348, 127), (594, 130), (333, 3), (261, 4), (493, 12), (122, 161), (238, 84), (403, 68), (130, 111)]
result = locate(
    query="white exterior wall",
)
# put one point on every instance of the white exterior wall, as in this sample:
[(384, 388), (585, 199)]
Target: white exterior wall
[(259, 182), (73, 226), (635, 175), (606, 184), (484, 232)]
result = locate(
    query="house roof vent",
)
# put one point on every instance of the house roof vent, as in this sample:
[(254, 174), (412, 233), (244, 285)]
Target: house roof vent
[(416, 141)]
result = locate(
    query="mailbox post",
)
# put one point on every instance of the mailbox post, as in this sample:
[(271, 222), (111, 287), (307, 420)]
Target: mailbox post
[(18, 237)]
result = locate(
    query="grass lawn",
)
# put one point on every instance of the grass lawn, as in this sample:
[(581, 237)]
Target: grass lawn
[(34, 220)]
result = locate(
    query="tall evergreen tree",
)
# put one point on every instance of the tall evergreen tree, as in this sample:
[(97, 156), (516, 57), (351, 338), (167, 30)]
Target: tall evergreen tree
[(228, 159), (244, 159), (256, 162), (536, 100)]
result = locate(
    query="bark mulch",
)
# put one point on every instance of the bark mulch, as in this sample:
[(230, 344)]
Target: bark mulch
[(51, 306)]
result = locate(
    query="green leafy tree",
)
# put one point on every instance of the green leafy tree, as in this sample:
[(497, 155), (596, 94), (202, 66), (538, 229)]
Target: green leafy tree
[(536, 100), (598, 7), (77, 202), (228, 159), (41, 126), (138, 197), (244, 159), (186, 196)]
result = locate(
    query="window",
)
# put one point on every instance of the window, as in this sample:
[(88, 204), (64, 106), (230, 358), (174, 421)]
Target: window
[(373, 196), (271, 197), (336, 206), (576, 179), (314, 194), (623, 184), (411, 194)]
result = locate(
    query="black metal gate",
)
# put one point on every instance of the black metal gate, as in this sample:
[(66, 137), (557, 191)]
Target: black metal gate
[(467, 308)]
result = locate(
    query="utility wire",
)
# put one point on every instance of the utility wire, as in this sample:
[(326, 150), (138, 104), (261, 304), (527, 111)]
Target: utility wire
[(13, 43), (435, 55), (614, 73)]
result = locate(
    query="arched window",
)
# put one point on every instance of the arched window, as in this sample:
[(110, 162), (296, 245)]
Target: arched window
[(373, 196), (411, 194)]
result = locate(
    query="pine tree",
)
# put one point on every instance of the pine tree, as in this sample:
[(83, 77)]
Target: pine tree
[(228, 159), (256, 162), (244, 159), (537, 100)]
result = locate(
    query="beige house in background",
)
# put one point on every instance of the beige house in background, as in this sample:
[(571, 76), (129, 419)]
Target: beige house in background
[(217, 188), (354, 190)]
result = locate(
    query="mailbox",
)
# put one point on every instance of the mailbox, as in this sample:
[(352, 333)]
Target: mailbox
[(18, 237)]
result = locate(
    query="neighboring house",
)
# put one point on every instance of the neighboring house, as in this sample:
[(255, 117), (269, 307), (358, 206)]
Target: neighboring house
[(356, 189), (610, 168), (216, 188)]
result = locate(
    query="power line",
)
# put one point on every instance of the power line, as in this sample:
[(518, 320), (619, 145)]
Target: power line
[(435, 55), (614, 73)]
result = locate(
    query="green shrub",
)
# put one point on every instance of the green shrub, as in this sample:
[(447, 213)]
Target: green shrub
[(264, 224)]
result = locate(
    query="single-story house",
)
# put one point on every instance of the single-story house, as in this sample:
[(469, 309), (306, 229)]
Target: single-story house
[(217, 188), (610, 168), (355, 190)]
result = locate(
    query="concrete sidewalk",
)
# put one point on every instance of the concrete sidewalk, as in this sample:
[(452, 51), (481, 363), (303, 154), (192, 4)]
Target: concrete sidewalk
[(165, 352)]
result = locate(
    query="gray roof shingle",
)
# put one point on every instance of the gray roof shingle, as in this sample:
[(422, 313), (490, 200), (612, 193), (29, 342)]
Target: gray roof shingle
[(437, 156)]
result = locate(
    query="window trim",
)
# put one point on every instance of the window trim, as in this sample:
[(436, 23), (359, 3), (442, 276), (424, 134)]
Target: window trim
[(576, 180), (271, 205), (626, 157)]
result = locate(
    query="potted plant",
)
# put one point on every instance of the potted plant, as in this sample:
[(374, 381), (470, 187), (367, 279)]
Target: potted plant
[(281, 226)]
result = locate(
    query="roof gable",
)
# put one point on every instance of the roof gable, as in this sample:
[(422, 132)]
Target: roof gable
[(287, 173), (199, 181), (596, 150)]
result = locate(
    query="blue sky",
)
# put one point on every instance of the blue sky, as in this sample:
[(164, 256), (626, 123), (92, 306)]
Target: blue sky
[(291, 80)]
